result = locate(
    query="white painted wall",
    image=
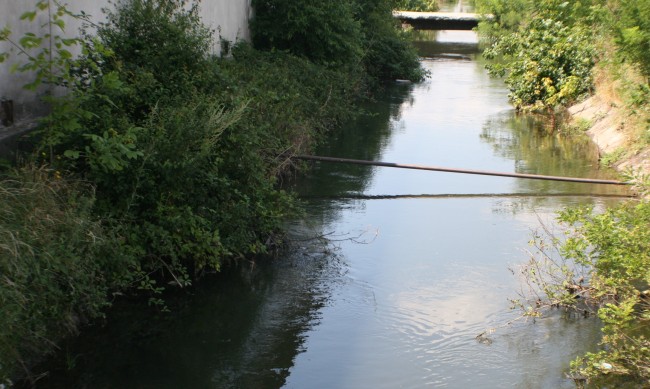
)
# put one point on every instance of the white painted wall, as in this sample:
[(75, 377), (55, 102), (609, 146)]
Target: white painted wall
[(229, 18)]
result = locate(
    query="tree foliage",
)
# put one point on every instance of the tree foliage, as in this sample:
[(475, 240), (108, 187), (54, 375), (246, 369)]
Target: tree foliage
[(417, 5), (358, 34), (632, 29), (507, 16), (617, 246), (547, 66), (543, 49), (531, 38), (325, 32)]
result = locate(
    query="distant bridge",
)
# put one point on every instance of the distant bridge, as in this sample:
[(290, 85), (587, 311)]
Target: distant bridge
[(440, 20)]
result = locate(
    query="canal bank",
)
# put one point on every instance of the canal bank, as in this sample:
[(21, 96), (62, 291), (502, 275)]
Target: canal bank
[(607, 128)]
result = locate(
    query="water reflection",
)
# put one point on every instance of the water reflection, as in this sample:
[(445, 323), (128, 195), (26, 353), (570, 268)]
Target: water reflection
[(239, 329), (525, 139), (460, 45), (364, 139)]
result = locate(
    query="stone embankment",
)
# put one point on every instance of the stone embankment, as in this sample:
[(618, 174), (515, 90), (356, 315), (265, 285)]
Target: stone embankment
[(609, 131)]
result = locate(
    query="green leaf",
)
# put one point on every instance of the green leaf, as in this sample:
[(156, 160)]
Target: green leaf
[(29, 41), (4, 33), (69, 42), (64, 54), (31, 15), (31, 86), (73, 154), (60, 23)]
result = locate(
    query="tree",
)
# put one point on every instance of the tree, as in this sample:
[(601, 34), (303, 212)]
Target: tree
[(359, 35), (545, 51), (322, 31), (632, 29), (417, 5)]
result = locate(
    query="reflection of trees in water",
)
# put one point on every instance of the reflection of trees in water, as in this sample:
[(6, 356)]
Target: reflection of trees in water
[(241, 328), (428, 45), (364, 138), (283, 300), (286, 297), (525, 140)]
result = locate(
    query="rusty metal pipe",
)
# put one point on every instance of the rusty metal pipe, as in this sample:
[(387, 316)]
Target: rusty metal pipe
[(462, 171)]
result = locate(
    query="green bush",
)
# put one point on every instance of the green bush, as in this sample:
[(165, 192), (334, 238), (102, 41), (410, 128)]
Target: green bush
[(616, 245), (357, 35), (417, 5), (507, 16), (601, 265), (389, 54), (57, 264), (546, 66), (544, 49), (184, 150), (632, 29), (160, 49), (323, 31), (291, 101)]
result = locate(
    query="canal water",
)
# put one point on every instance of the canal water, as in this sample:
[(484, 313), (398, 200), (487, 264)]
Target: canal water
[(392, 273)]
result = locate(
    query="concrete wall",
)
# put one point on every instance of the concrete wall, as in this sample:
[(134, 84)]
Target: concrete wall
[(229, 19)]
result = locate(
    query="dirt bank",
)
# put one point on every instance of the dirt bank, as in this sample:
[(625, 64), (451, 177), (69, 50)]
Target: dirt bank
[(609, 131)]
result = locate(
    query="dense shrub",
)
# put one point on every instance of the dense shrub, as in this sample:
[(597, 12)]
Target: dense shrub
[(417, 5), (159, 49), (350, 33), (180, 164), (544, 50), (325, 32), (632, 29), (389, 55), (291, 101), (616, 245), (601, 265), (57, 264), (546, 66)]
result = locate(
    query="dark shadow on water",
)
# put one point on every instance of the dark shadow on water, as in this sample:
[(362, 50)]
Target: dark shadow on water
[(241, 328)]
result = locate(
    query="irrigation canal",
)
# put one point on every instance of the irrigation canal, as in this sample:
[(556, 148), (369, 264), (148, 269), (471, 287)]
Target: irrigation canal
[(393, 272)]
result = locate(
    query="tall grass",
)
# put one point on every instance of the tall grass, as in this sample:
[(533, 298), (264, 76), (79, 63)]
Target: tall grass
[(51, 257)]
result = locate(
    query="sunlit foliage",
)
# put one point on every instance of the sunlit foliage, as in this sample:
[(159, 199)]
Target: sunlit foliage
[(417, 5), (546, 58)]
